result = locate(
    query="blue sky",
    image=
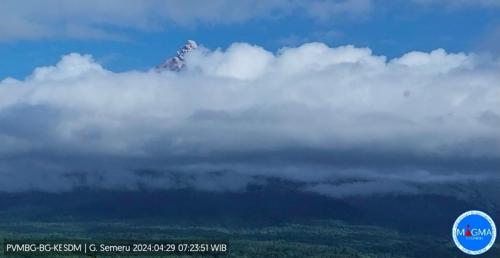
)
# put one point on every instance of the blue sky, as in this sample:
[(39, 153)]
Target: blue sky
[(389, 28)]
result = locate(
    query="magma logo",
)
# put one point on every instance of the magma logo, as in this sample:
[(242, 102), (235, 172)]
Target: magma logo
[(474, 232)]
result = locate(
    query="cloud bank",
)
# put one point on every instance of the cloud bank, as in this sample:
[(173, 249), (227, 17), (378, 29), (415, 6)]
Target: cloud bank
[(334, 120)]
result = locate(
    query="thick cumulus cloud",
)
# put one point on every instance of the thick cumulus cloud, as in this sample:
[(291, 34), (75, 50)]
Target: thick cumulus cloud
[(336, 121)]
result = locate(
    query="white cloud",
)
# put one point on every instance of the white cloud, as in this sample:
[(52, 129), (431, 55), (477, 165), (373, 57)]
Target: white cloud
[(71, 66), (326, 10), (106, 20), (240, 61), (94, 19), (306, 113)]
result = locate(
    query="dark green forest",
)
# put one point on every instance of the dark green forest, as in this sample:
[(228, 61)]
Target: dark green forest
[(314, 239), (271, 222)]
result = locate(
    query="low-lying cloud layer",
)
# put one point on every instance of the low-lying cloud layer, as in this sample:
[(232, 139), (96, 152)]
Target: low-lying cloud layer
[(338, 120)]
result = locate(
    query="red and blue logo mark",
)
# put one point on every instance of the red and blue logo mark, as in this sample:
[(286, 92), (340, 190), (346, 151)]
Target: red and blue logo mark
[(474, 232)]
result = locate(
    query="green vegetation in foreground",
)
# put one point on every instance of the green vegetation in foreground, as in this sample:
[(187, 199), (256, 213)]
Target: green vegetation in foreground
[(315, 239)]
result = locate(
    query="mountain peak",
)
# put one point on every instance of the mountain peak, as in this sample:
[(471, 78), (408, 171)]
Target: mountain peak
[(177, 62)]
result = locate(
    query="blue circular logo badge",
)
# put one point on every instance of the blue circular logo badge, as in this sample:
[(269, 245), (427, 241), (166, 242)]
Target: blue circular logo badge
[(474, 232)]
